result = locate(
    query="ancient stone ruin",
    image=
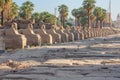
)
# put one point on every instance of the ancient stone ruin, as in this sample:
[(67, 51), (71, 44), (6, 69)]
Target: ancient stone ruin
[(23, 34)]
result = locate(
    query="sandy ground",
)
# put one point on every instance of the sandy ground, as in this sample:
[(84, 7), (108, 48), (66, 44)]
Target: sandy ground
[(91, 59)]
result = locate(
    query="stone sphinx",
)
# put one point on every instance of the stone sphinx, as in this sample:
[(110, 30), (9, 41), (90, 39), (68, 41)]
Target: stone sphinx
[(45, 37), (76, 34), (86, 33), (64, 36), (56, 37), (80, 32), (70, 35), (13, 39), (32, 38)]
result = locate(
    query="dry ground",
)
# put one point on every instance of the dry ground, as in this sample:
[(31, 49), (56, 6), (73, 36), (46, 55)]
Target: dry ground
[(91, 59)]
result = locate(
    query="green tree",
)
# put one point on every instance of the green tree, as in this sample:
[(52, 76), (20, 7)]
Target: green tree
[(97, 13), (43, 15), (81, 13), (26, 10), (13, 11), (1, 4), (47, 17), (78, 13), (5, 6), (1, 9), (83, 21), (93, 20), (89, 6), (75, 13), (69, 22), (103, 17), (63, 11), (36, 16)]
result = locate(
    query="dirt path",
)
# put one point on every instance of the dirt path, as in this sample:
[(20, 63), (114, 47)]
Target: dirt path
[(91, 59)]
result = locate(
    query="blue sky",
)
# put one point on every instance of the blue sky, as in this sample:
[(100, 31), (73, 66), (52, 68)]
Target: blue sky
[(50, 5)]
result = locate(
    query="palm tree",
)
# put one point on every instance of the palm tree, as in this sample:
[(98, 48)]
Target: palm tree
[(103, 17), (36, 16), (63, 11), (1, 9), (97, 13), (47, 17), (75, 13), (13, 11), (78, 13), (50, 19), (43, 16), (1, 4), (89, 6), (81, 13), (83, 21), (26, 10), (93, 20), (4, 9)]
